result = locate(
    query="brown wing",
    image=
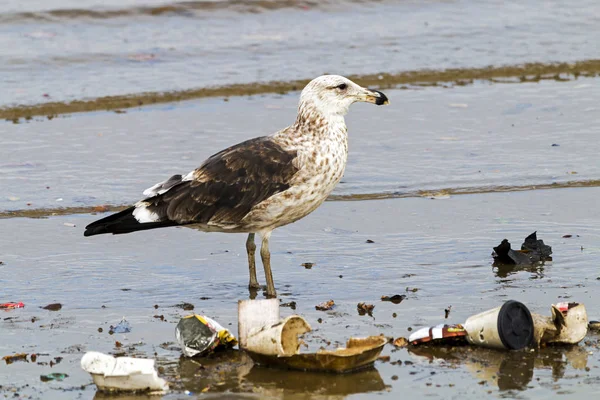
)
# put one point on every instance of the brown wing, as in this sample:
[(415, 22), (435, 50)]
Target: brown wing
[(226, 187)]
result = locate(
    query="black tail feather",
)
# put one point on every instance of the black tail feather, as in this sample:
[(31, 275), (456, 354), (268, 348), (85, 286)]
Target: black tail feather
[(122, 222)]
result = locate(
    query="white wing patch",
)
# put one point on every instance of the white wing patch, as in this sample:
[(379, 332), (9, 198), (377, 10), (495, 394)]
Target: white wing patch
[(189, 176), (163, 187), (143, 215)]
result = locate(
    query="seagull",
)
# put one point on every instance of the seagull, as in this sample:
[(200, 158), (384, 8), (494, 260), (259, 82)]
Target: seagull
[(260, 184)]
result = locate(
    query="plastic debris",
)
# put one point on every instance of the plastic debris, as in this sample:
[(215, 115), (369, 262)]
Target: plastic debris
[(364, 308), (509, 326), (400, 342), (280, 339), (396, 299), (55, 376), (568, 324), (10, 306), (122, 374), (358, 354), (273, 342), (199, 335), (15, 357), (532, 251), (53, 307), (325, 306), (594, 325), (442, 333), (121, 327)]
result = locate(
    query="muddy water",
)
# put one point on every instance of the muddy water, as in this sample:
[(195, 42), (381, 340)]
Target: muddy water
[(69, 50), (501, 143), (440, 247)]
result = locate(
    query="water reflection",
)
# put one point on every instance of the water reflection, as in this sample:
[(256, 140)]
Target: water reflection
[(505, 270), (508, 370), (234, 372)]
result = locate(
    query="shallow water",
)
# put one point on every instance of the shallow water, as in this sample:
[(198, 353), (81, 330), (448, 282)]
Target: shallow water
[(69, 50), (440, 247), (491, 140), (484, 137)]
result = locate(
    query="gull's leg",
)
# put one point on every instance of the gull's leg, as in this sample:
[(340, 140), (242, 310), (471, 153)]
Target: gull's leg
[(251, 249), (266, 260)]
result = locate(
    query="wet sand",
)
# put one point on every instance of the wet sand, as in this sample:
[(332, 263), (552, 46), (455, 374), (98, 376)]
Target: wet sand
[(440, 247), (531, 72)]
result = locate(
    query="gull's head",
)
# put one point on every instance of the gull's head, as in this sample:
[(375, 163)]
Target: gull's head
[(333, 94)]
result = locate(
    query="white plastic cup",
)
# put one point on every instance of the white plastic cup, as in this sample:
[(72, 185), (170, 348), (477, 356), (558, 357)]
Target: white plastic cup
[(253, 314), (280, 339), (507, 327)]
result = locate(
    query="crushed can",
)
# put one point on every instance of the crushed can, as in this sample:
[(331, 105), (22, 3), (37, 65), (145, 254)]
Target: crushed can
[(200, 335)]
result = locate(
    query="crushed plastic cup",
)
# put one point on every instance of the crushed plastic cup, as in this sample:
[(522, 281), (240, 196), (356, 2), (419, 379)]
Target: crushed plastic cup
[(568, 324), (280, 339)]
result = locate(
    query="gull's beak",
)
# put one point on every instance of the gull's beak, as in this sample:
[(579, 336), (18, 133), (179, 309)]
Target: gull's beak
[(374, 96)]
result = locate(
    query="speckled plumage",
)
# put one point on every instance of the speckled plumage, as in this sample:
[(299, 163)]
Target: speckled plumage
[(260, 184)]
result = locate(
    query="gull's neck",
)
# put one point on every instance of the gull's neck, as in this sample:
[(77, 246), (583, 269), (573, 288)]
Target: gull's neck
[(311, 120)]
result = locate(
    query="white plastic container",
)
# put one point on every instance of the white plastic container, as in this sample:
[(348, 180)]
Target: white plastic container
[(254, 314), (507, 327), (123, 374), (280, 339)]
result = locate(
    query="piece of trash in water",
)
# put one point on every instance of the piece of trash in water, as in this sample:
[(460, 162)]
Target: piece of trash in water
[(414, 289), (273, 342), (370, 241), (53, 307), (396, 299), (325, 306), (15, 357), (447, 312), (442, 333), (122, 374), (70, 225), (594, 325), (121, 327), (567, 236), (199, 335), (568, 324), (532, 251), (359, 353), (10, 306), (291, 304), (55, 376), (400, 342), (509, 326), (279, 339), (364, 308), (308, 265), (185, 306)]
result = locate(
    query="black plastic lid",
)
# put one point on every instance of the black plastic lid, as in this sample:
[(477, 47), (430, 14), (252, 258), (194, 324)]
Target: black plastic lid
[(515, 325)]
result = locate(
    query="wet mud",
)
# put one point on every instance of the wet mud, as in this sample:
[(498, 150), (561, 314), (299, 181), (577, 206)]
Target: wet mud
[(532, 72)]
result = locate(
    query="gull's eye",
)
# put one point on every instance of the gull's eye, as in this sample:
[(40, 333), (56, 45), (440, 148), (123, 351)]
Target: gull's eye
[(342, 86)]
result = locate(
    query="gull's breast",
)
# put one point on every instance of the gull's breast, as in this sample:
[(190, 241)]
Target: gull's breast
[(322, 164)]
